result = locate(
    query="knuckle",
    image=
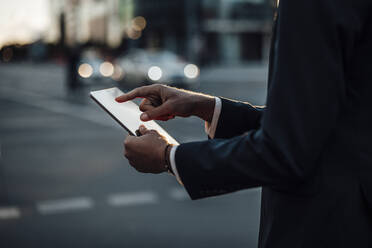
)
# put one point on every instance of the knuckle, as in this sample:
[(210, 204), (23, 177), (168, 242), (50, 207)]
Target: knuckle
[(141, 169), (158, 86), (133, 93), (150, 114), (153, 132), (142, 107), (135, 166), (126, 143), (147, 101)]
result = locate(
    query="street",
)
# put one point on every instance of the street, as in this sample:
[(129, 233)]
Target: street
[(64, 181)]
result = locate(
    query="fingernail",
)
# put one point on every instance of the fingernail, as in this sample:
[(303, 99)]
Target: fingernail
[(142, 128), (144, 117)]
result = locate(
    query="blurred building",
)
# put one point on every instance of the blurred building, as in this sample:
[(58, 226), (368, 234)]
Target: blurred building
[(82, 21), (238, 30), (166, 23), (203, 31), (209, 31)]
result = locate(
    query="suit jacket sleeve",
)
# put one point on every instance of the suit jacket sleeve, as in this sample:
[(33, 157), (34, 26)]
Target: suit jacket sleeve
[(305, 95), (231, 124)]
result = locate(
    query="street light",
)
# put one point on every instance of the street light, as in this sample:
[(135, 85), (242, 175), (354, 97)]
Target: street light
[(191, 71), (155, 73)]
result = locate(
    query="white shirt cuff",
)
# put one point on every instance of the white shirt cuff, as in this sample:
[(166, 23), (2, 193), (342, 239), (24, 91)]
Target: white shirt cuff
[(172, 158), (210, 128)]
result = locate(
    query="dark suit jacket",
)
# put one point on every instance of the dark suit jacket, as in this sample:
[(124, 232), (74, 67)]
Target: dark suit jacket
[(311, 148)]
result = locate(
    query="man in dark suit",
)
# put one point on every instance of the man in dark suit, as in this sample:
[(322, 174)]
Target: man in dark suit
[(310, 148)]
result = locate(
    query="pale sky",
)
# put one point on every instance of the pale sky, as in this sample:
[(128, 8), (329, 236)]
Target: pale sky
[(23, 20)]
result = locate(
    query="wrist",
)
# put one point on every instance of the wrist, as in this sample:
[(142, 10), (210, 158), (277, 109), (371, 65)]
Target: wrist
[(204, 107)]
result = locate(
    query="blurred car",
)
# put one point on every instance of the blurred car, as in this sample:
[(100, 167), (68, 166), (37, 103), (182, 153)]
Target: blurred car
[(92, 66), (162, 67)]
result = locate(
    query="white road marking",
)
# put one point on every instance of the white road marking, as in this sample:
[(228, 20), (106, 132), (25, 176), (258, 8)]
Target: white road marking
[(129, 199), (64, 205), (9, 213), (178, 194), (50, 207)]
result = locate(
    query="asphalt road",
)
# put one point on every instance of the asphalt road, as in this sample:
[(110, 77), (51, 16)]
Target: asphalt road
[(65, 183)]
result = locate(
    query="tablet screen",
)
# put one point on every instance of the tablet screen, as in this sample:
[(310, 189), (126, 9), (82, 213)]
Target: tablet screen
[(127, 114)]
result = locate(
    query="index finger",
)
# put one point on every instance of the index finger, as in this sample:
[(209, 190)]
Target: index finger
[(143, 91)]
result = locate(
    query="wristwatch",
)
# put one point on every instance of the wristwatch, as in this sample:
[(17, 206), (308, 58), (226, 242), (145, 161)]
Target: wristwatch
[(168, 166)]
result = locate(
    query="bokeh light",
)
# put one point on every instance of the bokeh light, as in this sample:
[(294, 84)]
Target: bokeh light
[(118, 73), (134, 34), (155, 73), (139, 23), (191, 71), (106, 69), (85, 70)]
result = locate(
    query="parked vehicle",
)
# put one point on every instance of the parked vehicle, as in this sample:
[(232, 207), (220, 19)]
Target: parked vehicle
[(93, 66), (162, 67)]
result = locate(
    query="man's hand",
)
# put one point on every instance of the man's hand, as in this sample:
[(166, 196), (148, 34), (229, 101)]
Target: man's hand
[(163, 103), (146, 153)]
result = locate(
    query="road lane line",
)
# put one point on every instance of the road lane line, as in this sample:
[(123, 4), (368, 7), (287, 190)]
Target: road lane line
[(9, 213), (178, 194), (130, 199), (64, 205)]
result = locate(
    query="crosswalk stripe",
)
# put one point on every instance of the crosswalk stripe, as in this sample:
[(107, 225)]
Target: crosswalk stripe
[(64, 205), (128, 199), (10, 213)]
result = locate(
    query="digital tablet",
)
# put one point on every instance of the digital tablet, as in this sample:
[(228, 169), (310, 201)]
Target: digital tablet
[(127, 114)]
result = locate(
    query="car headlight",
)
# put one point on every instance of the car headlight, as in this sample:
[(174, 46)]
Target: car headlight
[(106, 69), (191, 71), (118, 74), (85, 70), (155, 73)]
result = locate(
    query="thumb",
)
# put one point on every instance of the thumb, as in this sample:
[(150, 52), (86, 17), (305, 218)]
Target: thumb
[(162, 110), (143, 130)]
